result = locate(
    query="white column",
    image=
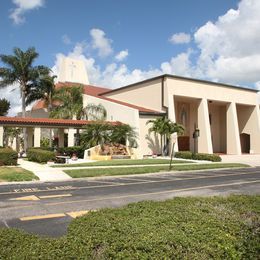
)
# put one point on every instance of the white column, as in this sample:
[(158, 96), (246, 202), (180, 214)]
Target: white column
[(253, 128), (29, 137), (233, 139), (204, 140), (1, 135), (172, 117), (61, 137), (71, 139), (37, 137)]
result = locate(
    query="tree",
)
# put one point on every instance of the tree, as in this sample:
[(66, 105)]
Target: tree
[(179, 130), (4, 107), (122, 134), (20, 70), (165, 128), (43, 89), (158, 128), (95, 112), (95, 134), (71, 103)]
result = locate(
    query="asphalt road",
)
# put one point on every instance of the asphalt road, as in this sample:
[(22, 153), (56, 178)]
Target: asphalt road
[(48, 208)]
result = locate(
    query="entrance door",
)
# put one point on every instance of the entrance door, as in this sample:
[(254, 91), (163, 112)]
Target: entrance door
[(245, 143), (184, 143)]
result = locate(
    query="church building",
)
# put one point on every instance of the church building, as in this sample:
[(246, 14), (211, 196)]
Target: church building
[(227, 117)]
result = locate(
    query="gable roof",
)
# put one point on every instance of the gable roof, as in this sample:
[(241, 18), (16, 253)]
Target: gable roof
[(95, 92), (182, 78)]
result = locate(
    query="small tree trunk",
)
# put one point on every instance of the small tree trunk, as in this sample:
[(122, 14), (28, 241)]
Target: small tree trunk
[(161, 144), (50, 131), (24, 115), (172, 153)]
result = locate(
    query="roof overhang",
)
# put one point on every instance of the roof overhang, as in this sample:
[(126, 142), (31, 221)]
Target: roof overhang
[(47, 122)]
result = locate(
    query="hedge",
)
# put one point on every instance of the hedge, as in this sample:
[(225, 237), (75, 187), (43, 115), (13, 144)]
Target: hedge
[(198, 156), (78, 150), (39, 155), (181, 228), (8, 156)]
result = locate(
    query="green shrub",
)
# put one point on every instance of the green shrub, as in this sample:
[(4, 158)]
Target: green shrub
[(8, 156), (198, 156), (183, 155), (78, 150), (180, 228), (206, 157), (39, 155)]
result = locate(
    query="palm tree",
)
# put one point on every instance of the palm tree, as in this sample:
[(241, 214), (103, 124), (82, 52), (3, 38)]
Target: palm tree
[(165, 128), (95, 112), (122, 134), (179, 130), (19, 69), (44, 89), (95, 134), (158, 128), (71, 103)]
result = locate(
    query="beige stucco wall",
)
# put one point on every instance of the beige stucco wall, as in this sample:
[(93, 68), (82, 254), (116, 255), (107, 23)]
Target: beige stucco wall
[(146, 95), (211, 92), (115, 112)]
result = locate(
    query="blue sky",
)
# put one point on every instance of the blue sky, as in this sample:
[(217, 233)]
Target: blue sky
[(142, 27), (123, 41)]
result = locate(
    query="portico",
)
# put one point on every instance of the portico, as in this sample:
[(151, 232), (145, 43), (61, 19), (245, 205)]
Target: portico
[(35, 126)]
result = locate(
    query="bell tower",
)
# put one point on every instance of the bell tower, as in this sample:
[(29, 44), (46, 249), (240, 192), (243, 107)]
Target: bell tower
[(73, 70)]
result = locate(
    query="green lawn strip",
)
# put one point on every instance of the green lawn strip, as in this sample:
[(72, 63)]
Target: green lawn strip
[(180, 228), (16, 174), (123, 162), (147, 169)]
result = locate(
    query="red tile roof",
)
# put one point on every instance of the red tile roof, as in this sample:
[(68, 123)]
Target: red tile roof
[(47, 121), (95, 92)]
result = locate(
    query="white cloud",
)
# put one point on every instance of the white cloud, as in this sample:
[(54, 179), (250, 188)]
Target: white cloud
[(179, 38), (101, 43), (121, 55), (66, 39), (23, 6), (229, 48)]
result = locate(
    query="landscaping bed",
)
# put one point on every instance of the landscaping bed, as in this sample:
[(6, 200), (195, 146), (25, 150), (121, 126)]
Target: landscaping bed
[(181, 228), (147, 169), (124, 162), (16, 174)]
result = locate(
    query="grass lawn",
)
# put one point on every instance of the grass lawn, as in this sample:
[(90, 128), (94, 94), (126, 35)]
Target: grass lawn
[(16, 174), (181, 228), (147, 169), (123, 162)]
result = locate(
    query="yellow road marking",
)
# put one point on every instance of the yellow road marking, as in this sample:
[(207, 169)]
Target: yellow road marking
[(75, 214), (33, 197), (55, 196), (153, 193), (146, 182), (43, 217), (143, 194)]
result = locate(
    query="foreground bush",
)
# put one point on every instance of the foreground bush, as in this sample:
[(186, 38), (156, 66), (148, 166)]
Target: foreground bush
[(198, 156), (39, 155), (78, 150), (182, 228), (8, 156)]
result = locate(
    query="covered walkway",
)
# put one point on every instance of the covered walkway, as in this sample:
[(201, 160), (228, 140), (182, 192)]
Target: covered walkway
[(34, 128)]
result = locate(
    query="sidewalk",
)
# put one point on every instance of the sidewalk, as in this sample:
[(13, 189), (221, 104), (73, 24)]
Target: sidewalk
[(250, 159), (44, 172)]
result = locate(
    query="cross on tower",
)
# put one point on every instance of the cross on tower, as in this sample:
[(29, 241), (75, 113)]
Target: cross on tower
[(72, 67)]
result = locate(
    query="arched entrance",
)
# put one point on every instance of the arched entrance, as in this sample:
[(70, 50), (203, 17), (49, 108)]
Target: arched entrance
[(245, 143)]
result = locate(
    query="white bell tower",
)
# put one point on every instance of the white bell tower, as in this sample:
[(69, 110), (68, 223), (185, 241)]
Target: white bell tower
[(72, 70)]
